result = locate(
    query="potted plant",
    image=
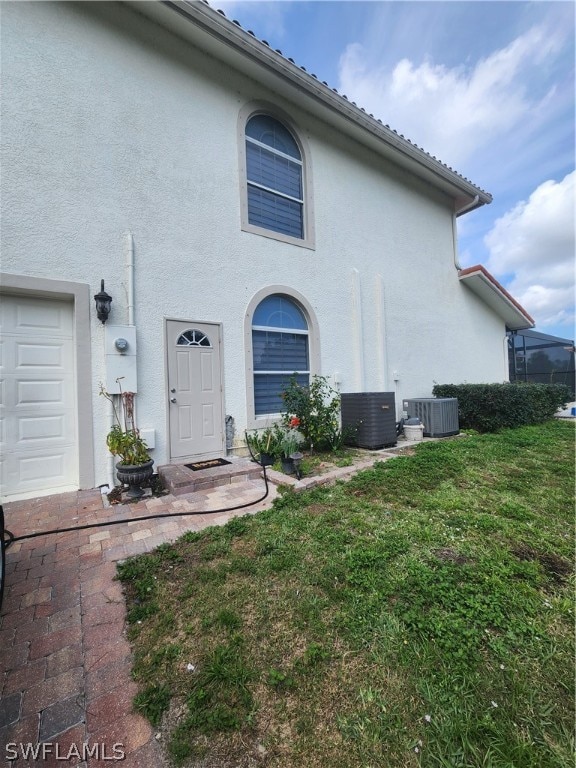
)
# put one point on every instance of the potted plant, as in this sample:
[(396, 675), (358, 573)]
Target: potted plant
[(135, 466), (263, 444), (289, 443)]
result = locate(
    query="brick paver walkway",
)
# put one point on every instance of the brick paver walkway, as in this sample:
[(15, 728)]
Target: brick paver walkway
[(64, 656)]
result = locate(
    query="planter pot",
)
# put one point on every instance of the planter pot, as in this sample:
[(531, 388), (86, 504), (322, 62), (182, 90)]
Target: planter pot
[(134, 475), (287, 466), (414, 432), (266, 459)]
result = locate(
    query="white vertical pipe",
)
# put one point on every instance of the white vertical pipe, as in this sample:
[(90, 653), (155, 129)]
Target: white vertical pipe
[(111, 468), (455, 242), (464, 209), (358, 335), (381, 341), (129, 251), (129, 258), (506, 359)]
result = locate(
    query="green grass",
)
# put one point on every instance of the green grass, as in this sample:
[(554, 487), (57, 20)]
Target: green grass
[(419, 615)]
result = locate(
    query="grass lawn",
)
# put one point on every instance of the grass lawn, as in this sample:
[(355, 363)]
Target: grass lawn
[(419, 615)]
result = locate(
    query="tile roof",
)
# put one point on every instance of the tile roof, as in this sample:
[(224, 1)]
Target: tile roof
[(345, 98)]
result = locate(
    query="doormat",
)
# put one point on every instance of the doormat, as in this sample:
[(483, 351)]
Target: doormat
[(210, 464)]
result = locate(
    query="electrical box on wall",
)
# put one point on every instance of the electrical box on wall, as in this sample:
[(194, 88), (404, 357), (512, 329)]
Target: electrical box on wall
[(120, 359)]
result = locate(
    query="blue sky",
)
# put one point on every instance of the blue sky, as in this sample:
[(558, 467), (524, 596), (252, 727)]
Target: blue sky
[(488, 88)]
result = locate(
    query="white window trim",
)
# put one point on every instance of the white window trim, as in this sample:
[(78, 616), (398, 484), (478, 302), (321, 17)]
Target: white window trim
[(263, 421), (307, 202)]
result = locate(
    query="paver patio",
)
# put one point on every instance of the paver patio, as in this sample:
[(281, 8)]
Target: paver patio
[(63, 651)]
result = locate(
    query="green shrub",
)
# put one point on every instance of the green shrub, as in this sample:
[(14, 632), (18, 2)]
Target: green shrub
[(315, 411), (490, 407)]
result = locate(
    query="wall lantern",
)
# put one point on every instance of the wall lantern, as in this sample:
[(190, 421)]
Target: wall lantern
[(103, 301)]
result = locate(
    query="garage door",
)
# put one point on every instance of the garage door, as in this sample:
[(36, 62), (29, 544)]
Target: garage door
[(38, 397)]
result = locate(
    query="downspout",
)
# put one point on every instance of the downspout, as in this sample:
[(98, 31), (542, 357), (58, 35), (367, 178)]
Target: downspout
[(506, 358), (457, 213)]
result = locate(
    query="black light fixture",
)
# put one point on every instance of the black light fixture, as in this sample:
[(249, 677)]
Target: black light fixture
[(103, 301)]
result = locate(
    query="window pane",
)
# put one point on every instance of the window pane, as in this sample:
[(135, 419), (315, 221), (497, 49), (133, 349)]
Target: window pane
[(274, 351), (269, 131), (273, 212), (267, 388), (273, 171), (276, 311)]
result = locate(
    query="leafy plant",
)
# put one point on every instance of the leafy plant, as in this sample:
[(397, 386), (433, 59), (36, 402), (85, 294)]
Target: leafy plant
[(279, 680), (316, 408), (152, 702), (124, 438), (264, 441), (289, 442)]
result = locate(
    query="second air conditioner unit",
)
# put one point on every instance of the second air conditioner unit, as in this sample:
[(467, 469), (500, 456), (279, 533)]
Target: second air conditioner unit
[(438, 414)]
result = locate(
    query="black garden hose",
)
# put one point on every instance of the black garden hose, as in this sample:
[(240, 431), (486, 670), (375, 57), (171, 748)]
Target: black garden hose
[(7, 537)]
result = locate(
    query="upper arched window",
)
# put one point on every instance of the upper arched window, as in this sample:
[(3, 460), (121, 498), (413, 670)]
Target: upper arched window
[(274, 178)]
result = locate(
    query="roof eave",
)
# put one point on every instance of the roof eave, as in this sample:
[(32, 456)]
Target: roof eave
[(487, 288), (212, 32)]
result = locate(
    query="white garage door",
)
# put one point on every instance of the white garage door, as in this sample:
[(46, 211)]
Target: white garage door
[(38, 397)]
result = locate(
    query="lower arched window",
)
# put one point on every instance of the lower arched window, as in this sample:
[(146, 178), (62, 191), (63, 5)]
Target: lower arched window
[(280, 350)]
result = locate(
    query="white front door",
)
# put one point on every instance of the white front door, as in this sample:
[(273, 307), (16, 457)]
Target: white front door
[(38, 397), (195, 401)]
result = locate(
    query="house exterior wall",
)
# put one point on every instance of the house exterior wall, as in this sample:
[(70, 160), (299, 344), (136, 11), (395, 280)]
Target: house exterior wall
[(112, 125)]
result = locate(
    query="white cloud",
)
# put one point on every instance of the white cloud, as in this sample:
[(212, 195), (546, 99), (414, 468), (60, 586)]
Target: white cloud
[(465, 107), (532, 247)]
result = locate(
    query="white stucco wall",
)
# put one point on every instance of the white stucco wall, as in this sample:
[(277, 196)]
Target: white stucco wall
[(110, 124)]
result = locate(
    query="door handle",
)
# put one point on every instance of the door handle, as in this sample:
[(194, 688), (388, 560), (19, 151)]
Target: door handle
[(172, 390), (172, 399)]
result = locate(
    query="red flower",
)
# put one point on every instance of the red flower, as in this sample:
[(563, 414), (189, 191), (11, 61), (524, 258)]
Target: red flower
[(294, 422)]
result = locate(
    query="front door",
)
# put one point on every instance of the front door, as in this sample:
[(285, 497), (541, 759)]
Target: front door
[(195, 402)]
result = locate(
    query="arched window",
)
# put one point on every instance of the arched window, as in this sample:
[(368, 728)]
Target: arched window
[(280, 350), (193, 338), (274, 177)]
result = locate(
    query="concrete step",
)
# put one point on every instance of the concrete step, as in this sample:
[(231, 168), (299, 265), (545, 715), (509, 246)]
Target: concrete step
[(178, 479)]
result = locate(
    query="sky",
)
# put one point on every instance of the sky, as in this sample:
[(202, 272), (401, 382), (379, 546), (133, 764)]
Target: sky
[(485, 86)]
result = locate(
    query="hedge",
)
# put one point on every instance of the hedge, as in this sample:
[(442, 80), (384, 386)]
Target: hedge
[(490, 407)]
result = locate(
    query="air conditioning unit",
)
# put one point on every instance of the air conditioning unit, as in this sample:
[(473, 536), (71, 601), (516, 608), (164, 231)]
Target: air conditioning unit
[(438, 414), (370, 417)]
